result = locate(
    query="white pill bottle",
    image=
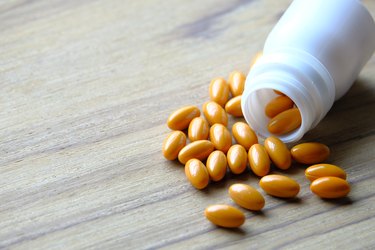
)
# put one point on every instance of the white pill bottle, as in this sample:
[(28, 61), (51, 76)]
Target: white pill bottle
[(313, 55)]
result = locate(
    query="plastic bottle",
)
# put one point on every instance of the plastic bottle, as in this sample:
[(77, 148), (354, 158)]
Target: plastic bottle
[(313, 55)]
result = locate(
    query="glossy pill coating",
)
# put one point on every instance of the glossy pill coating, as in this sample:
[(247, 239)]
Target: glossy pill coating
[(173, 144), (237, 159), (244, 135), (216, 165), (285, 122), (279, 186), (199, 150), (214, 113), (198, 129), (259, 160), (310, 152), (181, 118), (246, 196), (278, 105), (322, 170), (236, 83), (233, 106), (219, 91), (220, 137), (278, 152), (196, 173), (224, 216), (330, 187)]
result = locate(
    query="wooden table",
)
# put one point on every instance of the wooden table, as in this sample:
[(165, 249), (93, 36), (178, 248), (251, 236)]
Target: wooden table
[(86, 88)]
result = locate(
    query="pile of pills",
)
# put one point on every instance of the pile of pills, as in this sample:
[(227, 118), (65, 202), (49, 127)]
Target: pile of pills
[(285, 117), (210, 151)]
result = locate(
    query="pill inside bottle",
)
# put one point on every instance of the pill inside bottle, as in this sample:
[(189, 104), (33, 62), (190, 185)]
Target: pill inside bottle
[(311, 56)]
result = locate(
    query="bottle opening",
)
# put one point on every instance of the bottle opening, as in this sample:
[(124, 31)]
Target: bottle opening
[(254, 105), (297, 75)]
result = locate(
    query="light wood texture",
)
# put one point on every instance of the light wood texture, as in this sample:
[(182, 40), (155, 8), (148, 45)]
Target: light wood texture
[(86, 88)]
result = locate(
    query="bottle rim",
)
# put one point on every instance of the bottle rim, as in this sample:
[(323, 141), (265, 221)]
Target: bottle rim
[(253, 107), (299, 76)]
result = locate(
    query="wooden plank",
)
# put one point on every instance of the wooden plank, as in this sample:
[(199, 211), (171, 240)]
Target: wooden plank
[(86, 90)]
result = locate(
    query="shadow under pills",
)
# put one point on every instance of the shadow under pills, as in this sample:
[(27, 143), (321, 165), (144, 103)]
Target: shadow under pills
[(350, 117), (237, 231), (294, 200), (260, 213), (294, 170), (228, 180), (344, 201)]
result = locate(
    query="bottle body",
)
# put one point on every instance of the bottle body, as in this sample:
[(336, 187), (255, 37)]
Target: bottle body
[(313, 55)]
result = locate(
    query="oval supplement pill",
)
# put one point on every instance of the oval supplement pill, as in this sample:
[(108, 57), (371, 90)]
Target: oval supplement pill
[(173, 144), (233, 107), (237, 159), (322, 170), (196, 173), (279, 186), (181, 118), (224, 216), (198, 129), (216, 165), (236, 83), (246, 196), (199, 149), (244, 135), (278, 152), (259, 160), (220, 137), (330, 187), (310, 152), (277, 105), (219, 91), (214, 113), (285, 122)]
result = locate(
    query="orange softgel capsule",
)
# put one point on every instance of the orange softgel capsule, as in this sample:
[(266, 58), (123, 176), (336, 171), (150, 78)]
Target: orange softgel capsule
[(196, 173), (259, 160), (322, 170), (330, 187), (181, 118), (214, 113), (278, 152), (277, 105), (246, 196), (198, 129), (216, 165), (220, 137), (279, 186), (237, 159), (199, 149), (224, 216), (310, 152), (219, 91), (244, 135), (285, 122), (233, 106), (173, 144), (236, 83)]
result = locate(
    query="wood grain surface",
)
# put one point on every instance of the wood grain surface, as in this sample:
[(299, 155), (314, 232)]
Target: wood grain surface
[(86, 88)]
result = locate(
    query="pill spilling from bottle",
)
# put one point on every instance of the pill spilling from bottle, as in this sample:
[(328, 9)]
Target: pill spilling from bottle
[(209, 149), (290, 88)]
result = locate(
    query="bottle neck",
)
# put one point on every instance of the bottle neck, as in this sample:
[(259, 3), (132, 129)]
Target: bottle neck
[(299, 76)]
